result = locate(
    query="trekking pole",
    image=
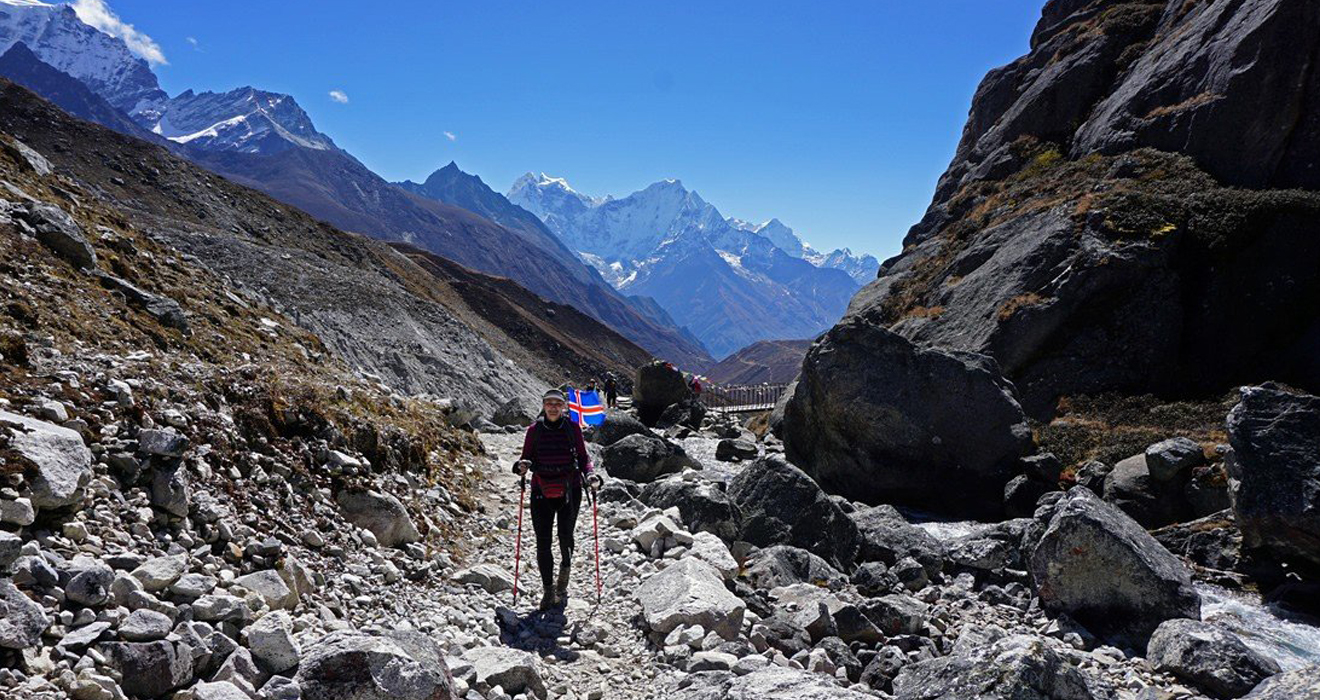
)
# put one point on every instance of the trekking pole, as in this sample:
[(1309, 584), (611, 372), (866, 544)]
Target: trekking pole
[(517, 550), (595, 531)]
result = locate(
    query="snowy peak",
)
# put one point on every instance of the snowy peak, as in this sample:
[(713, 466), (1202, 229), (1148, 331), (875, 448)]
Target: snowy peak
[(246, 120), (102, 62)]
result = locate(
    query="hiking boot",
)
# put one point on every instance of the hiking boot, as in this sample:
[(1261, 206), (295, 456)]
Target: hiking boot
[(548, 599), (561, 584)]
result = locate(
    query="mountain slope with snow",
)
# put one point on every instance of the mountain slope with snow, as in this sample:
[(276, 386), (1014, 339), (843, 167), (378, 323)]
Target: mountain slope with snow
[(730, 284), (245, 119)]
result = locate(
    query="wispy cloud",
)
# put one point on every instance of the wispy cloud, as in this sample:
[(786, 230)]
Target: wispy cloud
[(451, 136), (339, 96), (192, 41), (98, 14)]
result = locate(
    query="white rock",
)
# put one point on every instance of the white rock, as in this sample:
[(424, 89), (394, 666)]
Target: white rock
[(270, 639), (712, 550), (272, 589), (63, 463), (157, 574), (690, 592)]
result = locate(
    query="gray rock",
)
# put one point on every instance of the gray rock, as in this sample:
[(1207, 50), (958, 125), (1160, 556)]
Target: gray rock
[(511, 669), (1170, 458), (644, 458), (1298, 684), (150, 669), (28, 155), (163, 443), (713, 551), (11, 546), (943, 431), (18, 512), (782, 505), (782, 565), (711, 661), (268, 584), (164, 309), (81, 637), (62, 462), (888, 537), (90, 582), (271, 643), (617, 426), (688, 413), (215, 608), (690, 592), (1101, 568), (219, 690), (59, 232), (390, 666), (768, 683), (1020, 495), (1131, 487), (1209, 657), (145, 626), (1275, 436), (703, 505), (1019, 667), (382, 514), (895, 614), (658, 386), (490, 577), (729, 450), (513, 412), (21, 620), (159, 573), (170, 489)]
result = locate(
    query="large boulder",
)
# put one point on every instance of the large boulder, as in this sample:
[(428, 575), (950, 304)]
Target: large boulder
[(1018, 667), (703, 505), (21, 620), (150, 669), (617, 426), (1150, 501), (59, 232), (1275, 436), (1298, 684), (382, 514), (690, 592), (1100, 567), (688, 412), (878, 419), (1209, 657), (513, 412), (783, 565), (644, 458), (513, 670), (780, 504), (768, 683), (390, 666), (61, 463), (886, 536), (659, 386)]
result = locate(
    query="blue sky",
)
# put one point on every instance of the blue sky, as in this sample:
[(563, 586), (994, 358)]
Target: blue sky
[(836, 117)]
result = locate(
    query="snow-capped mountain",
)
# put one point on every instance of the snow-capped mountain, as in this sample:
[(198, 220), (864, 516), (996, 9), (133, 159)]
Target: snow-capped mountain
[(862, 268), (102, 62), (246, 120), (731, 285)]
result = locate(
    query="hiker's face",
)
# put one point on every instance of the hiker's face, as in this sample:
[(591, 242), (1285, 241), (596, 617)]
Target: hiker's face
[(554, 408)]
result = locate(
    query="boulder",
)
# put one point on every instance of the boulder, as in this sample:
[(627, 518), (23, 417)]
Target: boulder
[(61, 463), (271, 643), (160, 573), (617, 426), (381, 513), (1298, 684), (164, 309), (1168, 459), (1021, 493), (150, 669), (782, 565), (736, 449), (703, 505), (1131, 487), (27, 155), (513, 412), (1275, 436), (390, 666), (219, 690), (688, 413), (690, 592), (877, 419), (89, 582), (1100, 567), (170, 489), (767, 683), (11, 546), (513, 670), (268, 584), (21, 620), (145, 625), (895, 614), (1018, 667), (886, 536), (1209, 657), (780, 504), (59, 232), (658, 386), (713, 551), (490, 577), (166, 442), (644, 458)]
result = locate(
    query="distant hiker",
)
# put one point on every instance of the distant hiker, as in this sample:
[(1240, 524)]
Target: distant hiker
[(611, 392), (695, 385), (557, 457)]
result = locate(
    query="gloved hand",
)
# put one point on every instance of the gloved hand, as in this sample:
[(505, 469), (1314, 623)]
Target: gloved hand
[(594, 482), (521, 466)]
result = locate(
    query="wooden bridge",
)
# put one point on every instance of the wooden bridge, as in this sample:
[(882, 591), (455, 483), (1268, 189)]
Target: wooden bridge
[(742, 398)]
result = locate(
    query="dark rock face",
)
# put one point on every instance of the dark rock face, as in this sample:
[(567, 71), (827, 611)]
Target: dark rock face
[(1062, 245), (782, 505), (876, 418), (1100, 567), (888, 537), (658, 387), (1276, 445), (1019, 667), (150, 669), (1209, 657), (703, 505), (644, 458), (782, 565), (688, 413), (617, 426), (734, 449)]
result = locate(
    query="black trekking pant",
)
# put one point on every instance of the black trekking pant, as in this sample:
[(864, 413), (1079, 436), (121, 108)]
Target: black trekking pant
[(544, 513)]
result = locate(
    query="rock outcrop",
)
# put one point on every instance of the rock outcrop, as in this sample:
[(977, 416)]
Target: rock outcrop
[(659, 385), (1209, 657), (876, 418), (780, 504)]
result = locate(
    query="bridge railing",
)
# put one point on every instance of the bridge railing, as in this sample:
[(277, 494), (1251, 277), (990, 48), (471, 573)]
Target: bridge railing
[(750, 397)]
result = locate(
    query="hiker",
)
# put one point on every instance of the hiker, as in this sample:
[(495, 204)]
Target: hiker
[(695, 385), (556, 455), (611, 392)]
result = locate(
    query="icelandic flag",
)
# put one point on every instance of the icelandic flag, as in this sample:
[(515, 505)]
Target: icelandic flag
[(585, 408)]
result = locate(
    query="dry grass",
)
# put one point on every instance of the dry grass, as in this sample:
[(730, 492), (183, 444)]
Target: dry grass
[(1193, 102), (1111, 427), (1021, 301)]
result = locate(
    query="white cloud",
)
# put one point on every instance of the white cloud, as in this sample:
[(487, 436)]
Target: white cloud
[(192, 41), (451, 136), (339, 96), (99, 15)]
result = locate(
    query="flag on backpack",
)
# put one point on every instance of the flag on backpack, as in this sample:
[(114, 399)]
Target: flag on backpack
[(585, 407)]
